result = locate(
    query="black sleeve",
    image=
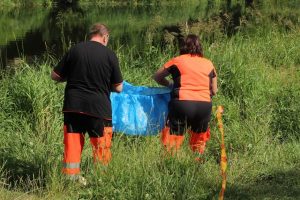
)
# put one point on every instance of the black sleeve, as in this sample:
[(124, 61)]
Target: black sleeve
[(61, 68), (116, 76), (213, 73)]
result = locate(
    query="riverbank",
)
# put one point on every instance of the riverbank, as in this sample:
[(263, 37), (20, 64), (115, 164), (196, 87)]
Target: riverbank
[(258, 76), (257, 61)]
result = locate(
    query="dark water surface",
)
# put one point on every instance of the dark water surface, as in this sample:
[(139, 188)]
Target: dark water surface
[(30, 32)]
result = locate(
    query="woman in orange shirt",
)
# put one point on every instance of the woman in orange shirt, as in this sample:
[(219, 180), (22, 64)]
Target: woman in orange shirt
[(193, 83)]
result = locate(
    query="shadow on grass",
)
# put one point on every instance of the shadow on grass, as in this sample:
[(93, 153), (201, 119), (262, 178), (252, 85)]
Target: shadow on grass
[(20, 174), (279, 185)]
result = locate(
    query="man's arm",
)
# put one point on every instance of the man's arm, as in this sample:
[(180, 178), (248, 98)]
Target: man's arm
[(117, 87), (116, 78), (56, 77)]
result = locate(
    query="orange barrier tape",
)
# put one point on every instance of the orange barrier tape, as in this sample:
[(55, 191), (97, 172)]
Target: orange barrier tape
[(223, 161)]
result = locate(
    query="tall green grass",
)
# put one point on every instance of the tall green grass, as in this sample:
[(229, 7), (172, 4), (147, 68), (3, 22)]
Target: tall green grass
[(258, 89), (13, 4), (258, 74)]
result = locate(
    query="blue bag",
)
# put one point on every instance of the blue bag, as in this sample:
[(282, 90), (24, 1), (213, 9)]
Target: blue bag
[(139, 110)]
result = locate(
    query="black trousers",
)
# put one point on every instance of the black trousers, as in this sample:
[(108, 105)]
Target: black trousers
[(81, 123), (193, 115)]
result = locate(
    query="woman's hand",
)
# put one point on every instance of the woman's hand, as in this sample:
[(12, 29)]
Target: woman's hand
[(160, 77)]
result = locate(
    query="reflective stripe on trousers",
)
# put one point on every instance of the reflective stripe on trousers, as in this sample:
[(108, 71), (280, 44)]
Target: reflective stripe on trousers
[(71, 168)]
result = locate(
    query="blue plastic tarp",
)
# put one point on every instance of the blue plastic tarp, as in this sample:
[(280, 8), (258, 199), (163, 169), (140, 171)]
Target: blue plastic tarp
[(139, 110)]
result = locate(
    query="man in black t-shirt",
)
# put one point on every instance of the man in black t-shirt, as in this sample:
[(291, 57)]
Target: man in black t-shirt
[(91, 71)]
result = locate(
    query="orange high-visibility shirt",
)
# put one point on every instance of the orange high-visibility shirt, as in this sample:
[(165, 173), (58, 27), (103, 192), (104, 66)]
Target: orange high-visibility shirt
[(192, 76)]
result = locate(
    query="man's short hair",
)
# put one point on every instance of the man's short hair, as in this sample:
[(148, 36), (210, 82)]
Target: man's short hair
[(98, 28)]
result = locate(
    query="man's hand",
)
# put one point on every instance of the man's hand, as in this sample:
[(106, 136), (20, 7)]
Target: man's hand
[(56, 77), (117, 87)]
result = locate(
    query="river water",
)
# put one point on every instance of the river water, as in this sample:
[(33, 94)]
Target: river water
[(32, 31)]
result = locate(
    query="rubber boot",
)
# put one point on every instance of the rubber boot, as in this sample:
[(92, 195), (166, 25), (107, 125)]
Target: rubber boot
[(73, 145), (165, 135), (172, 143), (101, 147), (198, 141)]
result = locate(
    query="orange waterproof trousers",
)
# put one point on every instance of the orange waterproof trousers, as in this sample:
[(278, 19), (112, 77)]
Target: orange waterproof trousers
[(101, 146), (198, 140), (73, 145), (172, 142)]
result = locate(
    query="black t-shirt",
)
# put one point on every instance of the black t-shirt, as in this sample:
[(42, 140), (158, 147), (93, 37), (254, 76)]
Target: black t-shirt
[(90, 69)]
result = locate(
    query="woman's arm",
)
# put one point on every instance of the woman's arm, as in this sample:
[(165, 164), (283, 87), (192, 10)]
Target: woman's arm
[(160, 77), (214, 86)]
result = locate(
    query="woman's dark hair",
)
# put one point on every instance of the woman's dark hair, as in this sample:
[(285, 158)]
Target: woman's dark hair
[(191, 45)]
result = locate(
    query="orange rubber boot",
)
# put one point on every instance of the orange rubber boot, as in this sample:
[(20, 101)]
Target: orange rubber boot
[(198, 141), (73, 145), (172, 143), (101, 147), (165, 134)]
